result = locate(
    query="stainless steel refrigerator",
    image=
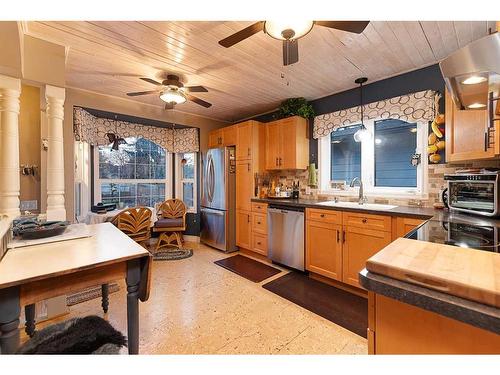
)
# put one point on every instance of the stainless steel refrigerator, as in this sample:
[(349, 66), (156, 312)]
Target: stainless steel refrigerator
[(218, 199)]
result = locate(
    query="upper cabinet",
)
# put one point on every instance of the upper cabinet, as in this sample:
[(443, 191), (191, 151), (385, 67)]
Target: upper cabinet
[(223, 137), (287, 144), (467, 134)]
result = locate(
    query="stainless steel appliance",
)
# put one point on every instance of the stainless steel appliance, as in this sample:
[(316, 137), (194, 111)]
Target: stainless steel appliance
[(482, 235), (286, 236), (474, 192), (218, 199)]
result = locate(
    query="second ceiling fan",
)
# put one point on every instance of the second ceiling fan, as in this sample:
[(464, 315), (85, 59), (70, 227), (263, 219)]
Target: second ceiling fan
[(289, 33), (172, 91)]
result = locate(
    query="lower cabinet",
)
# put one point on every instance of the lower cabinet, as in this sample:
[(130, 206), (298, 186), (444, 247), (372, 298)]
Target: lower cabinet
[(403, 225), (324, 249), (359, 245), (244, 229)]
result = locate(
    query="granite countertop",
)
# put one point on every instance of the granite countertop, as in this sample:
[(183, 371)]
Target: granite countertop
[(470, 312), (428, 213)]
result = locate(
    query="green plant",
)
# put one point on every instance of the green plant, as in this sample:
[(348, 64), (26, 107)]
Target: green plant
[(295, 107)]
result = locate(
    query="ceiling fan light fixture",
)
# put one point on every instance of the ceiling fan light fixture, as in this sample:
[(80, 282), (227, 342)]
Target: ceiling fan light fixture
[(288, 30), (173, 96)]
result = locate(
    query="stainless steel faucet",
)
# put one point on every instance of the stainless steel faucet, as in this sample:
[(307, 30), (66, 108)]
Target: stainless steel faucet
[(361, 198)]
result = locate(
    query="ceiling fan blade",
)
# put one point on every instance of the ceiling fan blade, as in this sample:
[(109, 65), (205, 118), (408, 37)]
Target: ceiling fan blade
[(169, 105), (350, 26), (142, 93), (290, 52), (195, 89), (247, 32), (196, 100), (151, 81)]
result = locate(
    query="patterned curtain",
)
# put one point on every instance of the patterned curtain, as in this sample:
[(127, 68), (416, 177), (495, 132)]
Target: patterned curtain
[(413, 107), (92, 129)]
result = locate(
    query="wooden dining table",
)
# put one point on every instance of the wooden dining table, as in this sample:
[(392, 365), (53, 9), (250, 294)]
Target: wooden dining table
[(35, 273)]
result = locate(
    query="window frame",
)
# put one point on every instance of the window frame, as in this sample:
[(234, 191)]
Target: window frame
[(179, 192), (368, 167), (168, 180)]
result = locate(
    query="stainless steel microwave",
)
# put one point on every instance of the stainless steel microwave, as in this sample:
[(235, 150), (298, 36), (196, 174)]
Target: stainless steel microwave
[(474, 193)]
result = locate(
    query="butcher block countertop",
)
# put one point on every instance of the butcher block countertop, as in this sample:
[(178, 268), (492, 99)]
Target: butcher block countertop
[(467, 273)]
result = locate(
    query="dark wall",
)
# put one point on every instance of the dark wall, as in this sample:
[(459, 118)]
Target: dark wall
[(428, 78)]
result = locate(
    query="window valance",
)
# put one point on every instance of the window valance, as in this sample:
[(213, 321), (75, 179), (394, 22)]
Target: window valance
[(412, 107), (92, 129)]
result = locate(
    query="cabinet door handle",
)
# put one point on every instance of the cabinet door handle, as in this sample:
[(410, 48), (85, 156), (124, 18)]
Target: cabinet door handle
[(344, 235), (485, 141), (258, 222), (248, 167), (248, 151), (338, 236), (277, 162), (322, 215), (258, 243), (248, 218), (280, 161), (364, 220)]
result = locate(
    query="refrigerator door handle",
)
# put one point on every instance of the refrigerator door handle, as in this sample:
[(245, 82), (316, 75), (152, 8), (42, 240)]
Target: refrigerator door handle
[(210, 179)]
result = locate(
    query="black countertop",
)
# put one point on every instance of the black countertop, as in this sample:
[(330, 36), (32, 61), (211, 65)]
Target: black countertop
[(404, 211), (473, 313)]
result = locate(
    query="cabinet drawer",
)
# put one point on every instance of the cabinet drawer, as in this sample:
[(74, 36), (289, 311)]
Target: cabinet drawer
[(259, 223), (259, 243), (367, 221), (259, 207), (325, 216)]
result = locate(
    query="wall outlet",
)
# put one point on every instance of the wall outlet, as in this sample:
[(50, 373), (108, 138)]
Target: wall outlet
[(29, 205)]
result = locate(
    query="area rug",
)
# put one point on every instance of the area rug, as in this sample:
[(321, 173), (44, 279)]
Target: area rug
[(89, 293), (172, 254), (338, 306), (248, 268)]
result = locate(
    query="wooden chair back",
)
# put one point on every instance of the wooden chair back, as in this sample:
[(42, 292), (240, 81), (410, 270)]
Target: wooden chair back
[(135, 222), (172, 209)]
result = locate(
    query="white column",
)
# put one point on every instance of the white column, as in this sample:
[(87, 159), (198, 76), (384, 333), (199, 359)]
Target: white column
[(10, 89), (54, 97)]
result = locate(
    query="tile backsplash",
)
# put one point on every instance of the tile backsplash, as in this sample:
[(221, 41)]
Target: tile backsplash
[(436, 182)]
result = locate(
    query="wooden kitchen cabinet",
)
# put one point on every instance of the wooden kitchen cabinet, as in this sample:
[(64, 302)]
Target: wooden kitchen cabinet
[(244, 185), (287, 144), (259, 228), (324, 249), (403, 225), (466, 134), (245, 142), (223, 137), (244, 229), (360, 244)]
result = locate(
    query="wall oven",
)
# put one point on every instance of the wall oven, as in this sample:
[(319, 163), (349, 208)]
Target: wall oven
[(474, 192)]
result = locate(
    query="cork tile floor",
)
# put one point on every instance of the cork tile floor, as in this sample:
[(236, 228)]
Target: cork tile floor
[(197, 307)]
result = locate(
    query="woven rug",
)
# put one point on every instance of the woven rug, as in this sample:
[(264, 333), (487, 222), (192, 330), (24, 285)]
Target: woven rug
[(172, 254), (89, 293)]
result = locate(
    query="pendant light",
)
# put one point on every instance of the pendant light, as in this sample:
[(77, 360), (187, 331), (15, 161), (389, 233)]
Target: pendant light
[(363, 134)]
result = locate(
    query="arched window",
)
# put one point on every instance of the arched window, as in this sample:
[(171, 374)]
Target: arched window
[(137, 174)]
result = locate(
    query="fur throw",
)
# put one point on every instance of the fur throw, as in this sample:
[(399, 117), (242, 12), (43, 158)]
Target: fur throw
[(89, 335)]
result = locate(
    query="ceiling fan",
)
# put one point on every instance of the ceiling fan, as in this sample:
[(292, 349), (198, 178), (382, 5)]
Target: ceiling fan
[(172, 91), (289, 33)]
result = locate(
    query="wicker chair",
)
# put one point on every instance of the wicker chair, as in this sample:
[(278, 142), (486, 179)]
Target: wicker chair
[(135, 222), (171, 223)]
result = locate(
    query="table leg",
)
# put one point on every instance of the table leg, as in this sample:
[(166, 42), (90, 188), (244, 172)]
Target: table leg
[(29, 312), (133, 280), (10, 310), (105, 297)]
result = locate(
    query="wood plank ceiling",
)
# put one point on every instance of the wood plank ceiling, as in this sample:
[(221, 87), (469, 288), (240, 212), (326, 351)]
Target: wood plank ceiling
[(248, 78)]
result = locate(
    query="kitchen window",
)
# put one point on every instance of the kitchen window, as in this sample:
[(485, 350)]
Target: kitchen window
[(383, 163), (186, 172), (138, 174)]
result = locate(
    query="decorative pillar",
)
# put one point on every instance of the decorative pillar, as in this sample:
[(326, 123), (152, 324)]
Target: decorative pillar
[(10, 89), (54, 97)]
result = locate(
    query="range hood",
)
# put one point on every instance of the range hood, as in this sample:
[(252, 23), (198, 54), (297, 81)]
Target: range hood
[(472, 73)]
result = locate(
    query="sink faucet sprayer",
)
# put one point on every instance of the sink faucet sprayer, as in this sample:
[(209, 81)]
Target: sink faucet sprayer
[(361, 199)]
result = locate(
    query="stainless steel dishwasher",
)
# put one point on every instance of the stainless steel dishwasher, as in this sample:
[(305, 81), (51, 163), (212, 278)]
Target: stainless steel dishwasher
[(286, 236)]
